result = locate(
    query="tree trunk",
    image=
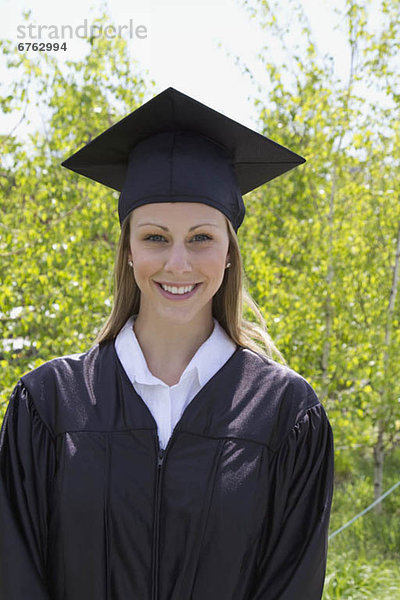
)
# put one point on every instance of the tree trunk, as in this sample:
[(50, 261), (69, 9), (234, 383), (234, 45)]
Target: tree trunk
[(326, 350), (379, 448), (379, 455)]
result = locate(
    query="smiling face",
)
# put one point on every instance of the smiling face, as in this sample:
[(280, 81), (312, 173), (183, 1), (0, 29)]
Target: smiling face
[(175, 246)]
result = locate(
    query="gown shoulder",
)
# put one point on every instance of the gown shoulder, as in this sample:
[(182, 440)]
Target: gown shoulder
[(27, 470), (279, 397)]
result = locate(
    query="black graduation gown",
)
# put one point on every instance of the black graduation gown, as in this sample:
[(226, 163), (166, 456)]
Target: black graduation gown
[(236, 507)]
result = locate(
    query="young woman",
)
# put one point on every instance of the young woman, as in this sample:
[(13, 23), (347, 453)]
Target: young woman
[(175, 459)]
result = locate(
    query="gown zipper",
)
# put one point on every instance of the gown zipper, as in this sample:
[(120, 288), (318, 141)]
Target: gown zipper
[(161, 454), (160, 462)]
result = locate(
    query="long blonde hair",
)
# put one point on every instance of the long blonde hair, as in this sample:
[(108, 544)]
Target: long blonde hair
[(228, 304)]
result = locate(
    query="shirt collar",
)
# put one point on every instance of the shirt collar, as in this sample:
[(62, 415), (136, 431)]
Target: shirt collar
[(211, 355)]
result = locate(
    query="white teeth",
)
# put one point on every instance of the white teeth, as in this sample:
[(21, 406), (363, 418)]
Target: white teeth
[(175, 290)]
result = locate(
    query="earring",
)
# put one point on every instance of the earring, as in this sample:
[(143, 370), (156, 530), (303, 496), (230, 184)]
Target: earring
[(130, 263), (228, 265)]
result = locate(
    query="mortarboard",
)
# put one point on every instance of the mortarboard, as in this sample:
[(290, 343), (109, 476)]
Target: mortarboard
[(176, 149)]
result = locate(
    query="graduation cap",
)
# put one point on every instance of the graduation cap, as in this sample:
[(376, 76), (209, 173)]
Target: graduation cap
[(176, 149)]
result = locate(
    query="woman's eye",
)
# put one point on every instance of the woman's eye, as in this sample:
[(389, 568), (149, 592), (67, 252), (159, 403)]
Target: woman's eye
[(155, 235), (204, 236)]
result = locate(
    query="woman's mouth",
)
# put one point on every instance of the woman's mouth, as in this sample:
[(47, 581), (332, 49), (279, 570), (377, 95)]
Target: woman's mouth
[(177, 292)]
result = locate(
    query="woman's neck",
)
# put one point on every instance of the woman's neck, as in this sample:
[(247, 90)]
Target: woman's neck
[(168, 347)]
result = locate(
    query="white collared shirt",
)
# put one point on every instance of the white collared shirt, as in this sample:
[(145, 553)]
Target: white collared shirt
[(167, 403)]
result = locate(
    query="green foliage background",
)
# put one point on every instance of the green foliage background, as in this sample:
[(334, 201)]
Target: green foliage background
[(321, 244), (59, 231)]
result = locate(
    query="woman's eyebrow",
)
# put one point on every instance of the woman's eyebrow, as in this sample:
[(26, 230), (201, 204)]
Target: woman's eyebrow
[(191, 228)]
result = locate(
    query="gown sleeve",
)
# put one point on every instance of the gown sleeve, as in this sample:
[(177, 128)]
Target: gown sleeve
[(27, 461), (293, 550)]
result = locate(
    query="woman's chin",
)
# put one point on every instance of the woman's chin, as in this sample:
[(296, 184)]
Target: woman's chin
[(178, 316)]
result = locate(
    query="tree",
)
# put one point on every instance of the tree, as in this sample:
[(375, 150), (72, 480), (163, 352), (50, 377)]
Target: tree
[(59, 230), (322, 243)]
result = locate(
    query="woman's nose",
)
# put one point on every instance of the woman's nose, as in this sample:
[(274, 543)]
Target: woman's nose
[(178, 258)]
